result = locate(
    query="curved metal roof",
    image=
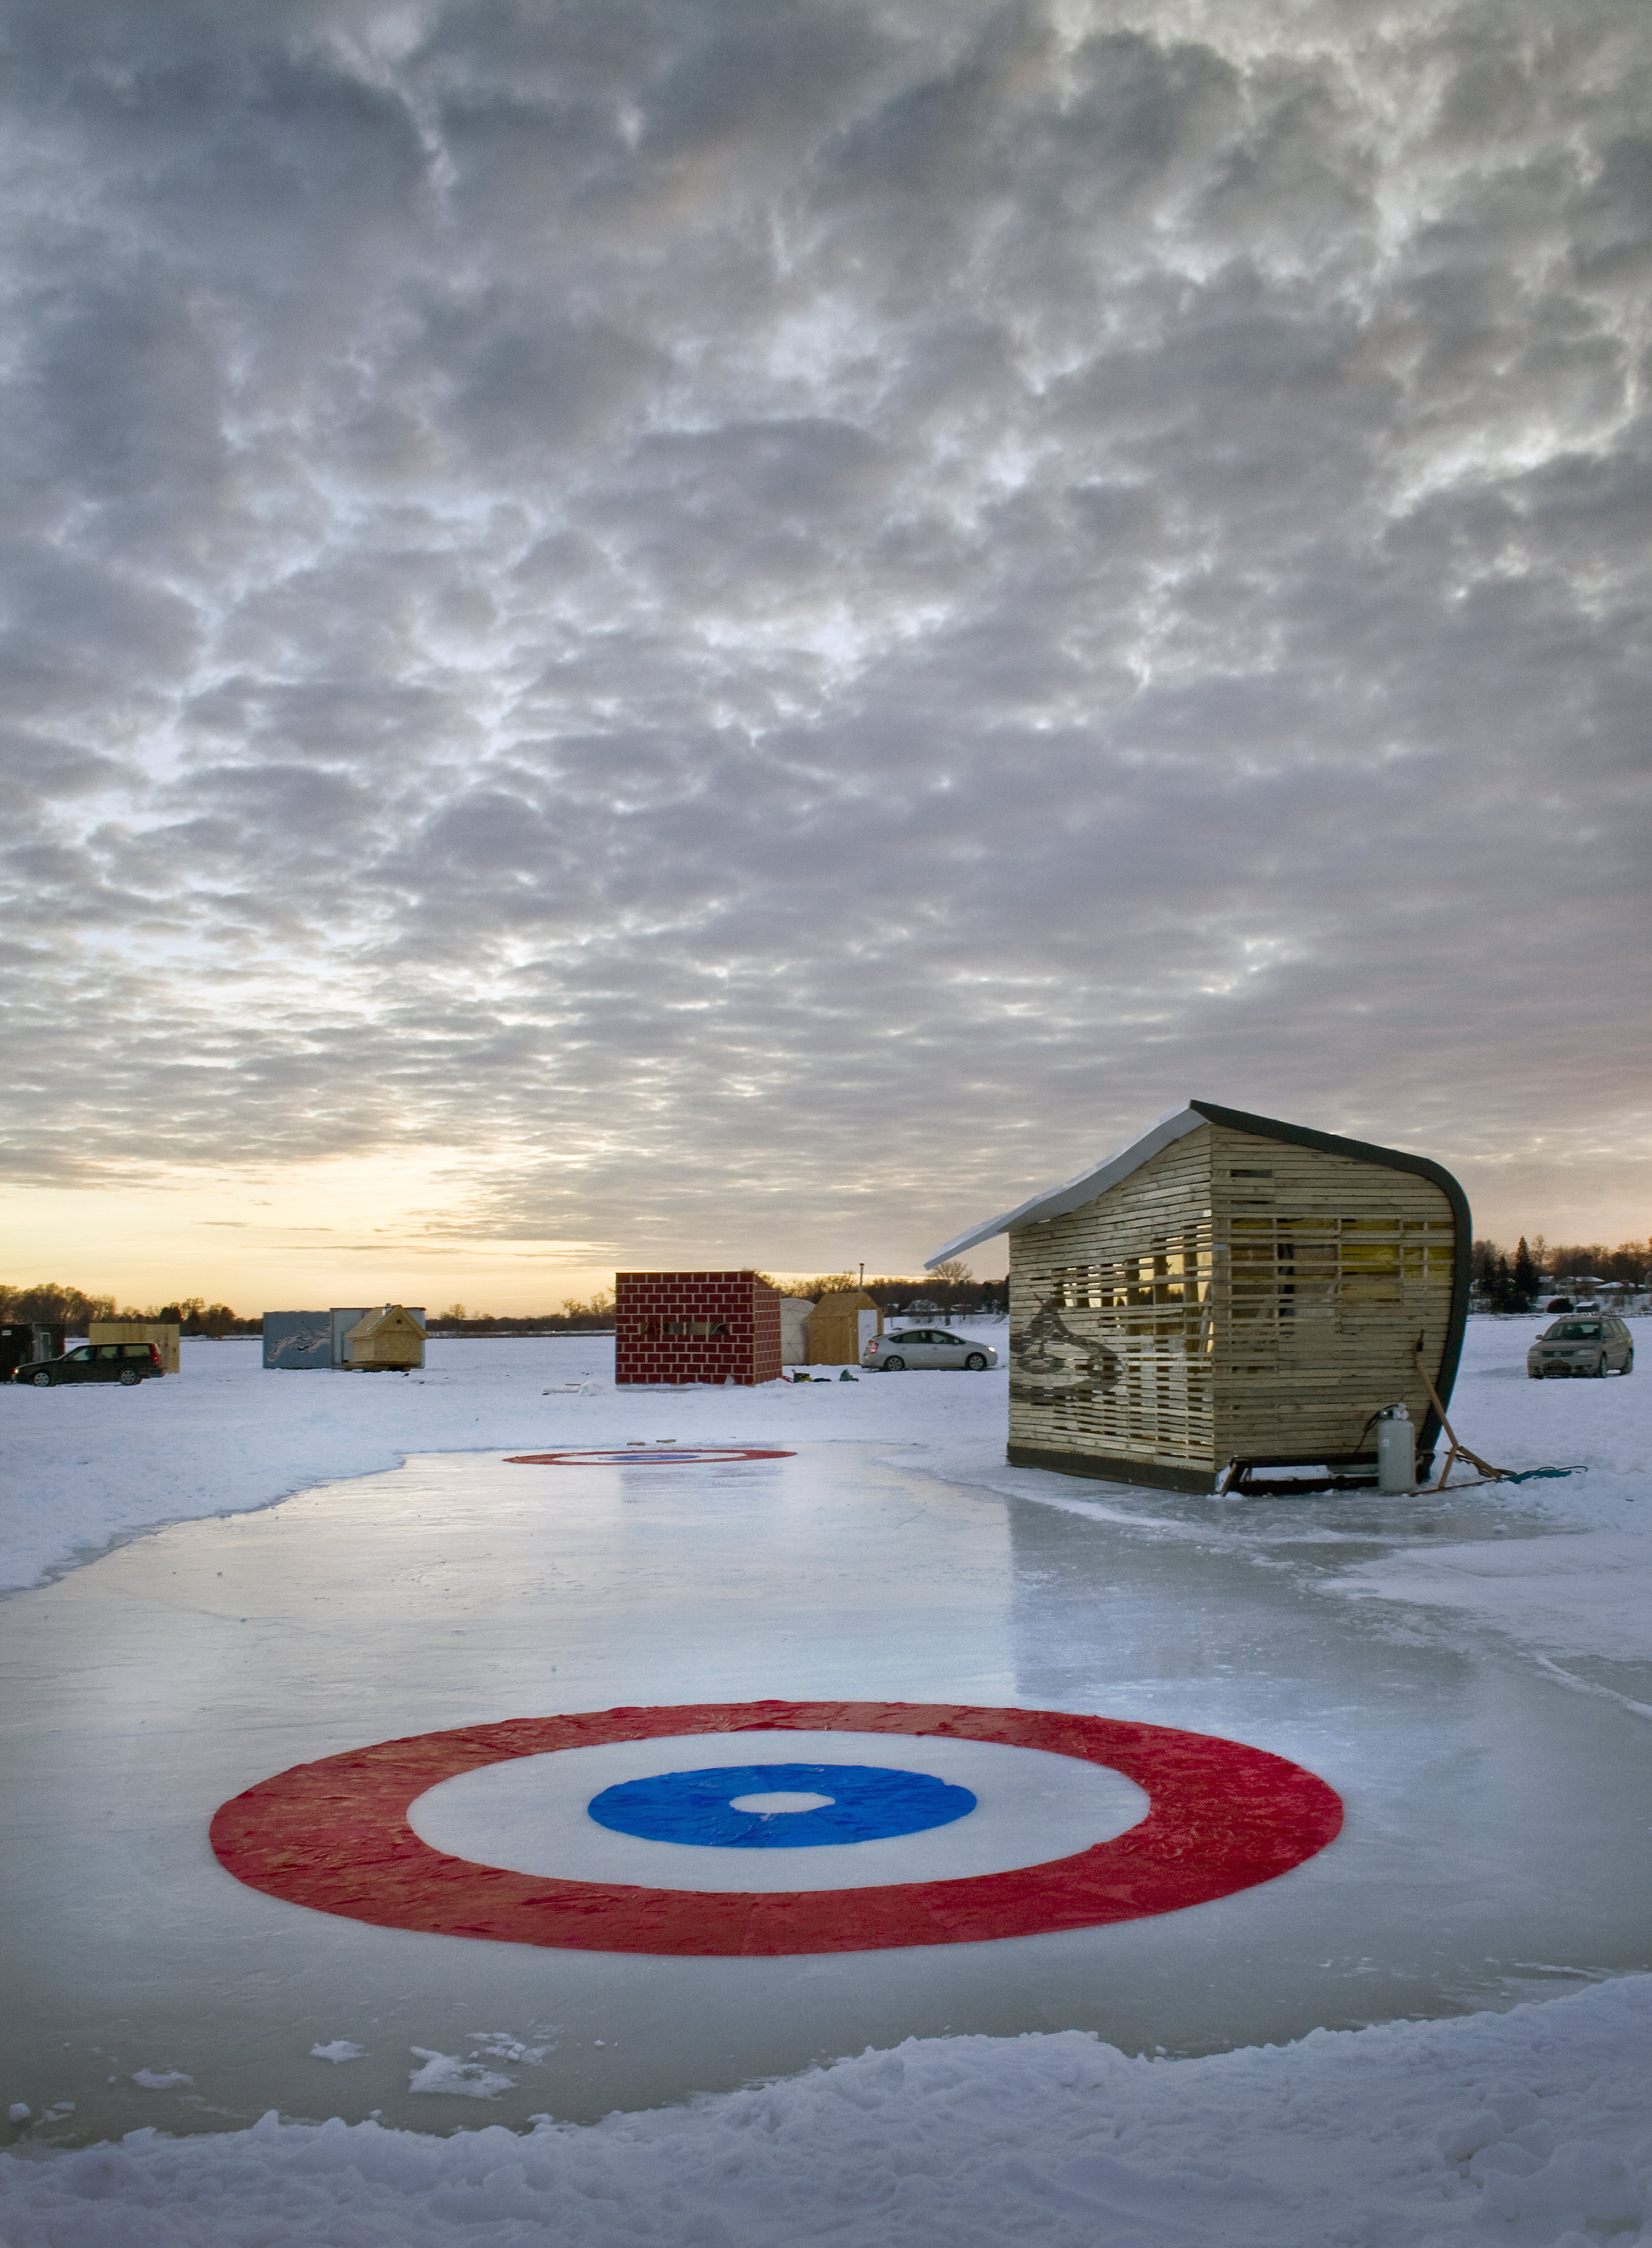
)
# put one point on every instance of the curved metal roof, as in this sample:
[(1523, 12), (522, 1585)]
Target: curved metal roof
[(1057, 1202)]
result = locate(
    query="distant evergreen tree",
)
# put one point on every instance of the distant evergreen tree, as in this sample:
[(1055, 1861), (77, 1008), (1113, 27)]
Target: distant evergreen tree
[(1523, 1280), (1485, 1255), (1500, 1292)]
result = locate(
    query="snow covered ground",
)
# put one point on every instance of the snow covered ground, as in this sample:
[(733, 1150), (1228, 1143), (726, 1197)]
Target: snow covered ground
[(1530, 2126), (87, 1468)]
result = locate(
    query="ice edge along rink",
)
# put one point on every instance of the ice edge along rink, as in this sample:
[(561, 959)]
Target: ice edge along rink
[(1494, 1848)]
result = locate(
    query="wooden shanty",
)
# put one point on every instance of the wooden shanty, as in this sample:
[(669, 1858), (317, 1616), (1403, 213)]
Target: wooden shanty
[(386, 1340), (1230, 1292), (840, 1326)]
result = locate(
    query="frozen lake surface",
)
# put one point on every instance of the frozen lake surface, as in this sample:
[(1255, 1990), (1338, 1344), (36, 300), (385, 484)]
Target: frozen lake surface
[(1455, 1667)]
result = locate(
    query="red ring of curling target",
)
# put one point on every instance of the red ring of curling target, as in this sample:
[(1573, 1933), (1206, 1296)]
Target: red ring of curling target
[(672, 1456), (334, 1836)]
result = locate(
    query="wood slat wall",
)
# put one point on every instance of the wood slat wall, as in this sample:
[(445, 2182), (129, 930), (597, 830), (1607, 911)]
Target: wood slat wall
[(1238, 1298), (1335, 1268), (1106, 1307)]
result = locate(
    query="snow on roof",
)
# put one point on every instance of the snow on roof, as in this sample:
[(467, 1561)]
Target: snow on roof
[(1055, 1201)]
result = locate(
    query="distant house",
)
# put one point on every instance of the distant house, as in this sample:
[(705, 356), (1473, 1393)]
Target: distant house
[(1230, 1291), (695, 1326), (842, 1326)]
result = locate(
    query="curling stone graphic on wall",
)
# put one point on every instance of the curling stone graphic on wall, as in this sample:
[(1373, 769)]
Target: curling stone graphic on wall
[(1040, 1375)]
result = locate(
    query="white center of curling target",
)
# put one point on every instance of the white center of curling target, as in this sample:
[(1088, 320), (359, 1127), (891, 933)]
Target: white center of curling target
[(530, 1813), (780, 1799)]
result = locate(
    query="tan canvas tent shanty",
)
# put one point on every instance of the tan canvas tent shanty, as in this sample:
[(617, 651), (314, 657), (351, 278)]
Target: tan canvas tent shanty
[(1228, 1291)]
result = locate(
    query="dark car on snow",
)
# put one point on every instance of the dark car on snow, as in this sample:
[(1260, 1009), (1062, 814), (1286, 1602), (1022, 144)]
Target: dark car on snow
[(124, 1362)]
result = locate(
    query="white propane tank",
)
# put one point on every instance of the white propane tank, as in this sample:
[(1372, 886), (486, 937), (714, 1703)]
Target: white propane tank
[(1396, 1450)]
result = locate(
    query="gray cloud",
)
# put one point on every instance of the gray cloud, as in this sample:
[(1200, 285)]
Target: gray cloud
[(804, 615)]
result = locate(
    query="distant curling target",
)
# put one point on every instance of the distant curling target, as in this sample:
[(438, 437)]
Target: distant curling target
[(648, 1456), (334, 1835)]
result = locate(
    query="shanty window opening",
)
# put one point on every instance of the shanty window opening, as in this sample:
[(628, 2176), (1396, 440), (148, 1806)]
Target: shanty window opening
[(687, 1330), (1165, 1278), (1283, 1266)]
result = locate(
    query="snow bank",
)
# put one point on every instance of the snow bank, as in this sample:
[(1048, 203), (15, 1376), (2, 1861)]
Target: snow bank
[(1529, 2128)]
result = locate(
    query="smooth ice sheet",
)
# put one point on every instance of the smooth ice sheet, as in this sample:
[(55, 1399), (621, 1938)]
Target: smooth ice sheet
[(1494, 1842)]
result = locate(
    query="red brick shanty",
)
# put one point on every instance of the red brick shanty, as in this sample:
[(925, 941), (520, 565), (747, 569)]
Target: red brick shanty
[(695, 1326)]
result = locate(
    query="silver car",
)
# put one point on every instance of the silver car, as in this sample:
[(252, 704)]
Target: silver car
[(1598, 1343), (893, 1354)]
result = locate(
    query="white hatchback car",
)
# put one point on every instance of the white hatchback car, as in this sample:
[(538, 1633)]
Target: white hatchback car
[(1594, 1345), (893, 1354)]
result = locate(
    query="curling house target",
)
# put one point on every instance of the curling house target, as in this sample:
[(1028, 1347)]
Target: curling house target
[(648, 1456), (712, 1801)]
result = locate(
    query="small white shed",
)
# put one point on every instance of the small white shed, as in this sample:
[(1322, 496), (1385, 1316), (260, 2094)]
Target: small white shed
[(793, 1329)]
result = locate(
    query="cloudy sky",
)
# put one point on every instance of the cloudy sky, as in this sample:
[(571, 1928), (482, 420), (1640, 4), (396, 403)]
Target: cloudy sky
[(679, 630)]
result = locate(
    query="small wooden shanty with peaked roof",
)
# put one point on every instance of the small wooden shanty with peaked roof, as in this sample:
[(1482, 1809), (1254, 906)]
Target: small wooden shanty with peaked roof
[(1230, 1292), (391, 1339), (841, 1325)]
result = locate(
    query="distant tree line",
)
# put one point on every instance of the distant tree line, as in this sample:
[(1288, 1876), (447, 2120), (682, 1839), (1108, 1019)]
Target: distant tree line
[(594, 1317), (49, 1304), (949, 1289), (1503, 1282), (1627, 1265)]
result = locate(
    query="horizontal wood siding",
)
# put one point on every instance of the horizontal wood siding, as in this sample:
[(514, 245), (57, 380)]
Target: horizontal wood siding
[(1236, 1298), (1327, 1272), (1111, 1349)]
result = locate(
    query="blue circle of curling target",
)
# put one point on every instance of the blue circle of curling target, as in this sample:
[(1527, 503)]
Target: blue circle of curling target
[(863, 1803)]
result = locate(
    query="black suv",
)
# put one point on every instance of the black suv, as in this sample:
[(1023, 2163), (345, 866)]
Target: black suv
[(124, 1362)]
